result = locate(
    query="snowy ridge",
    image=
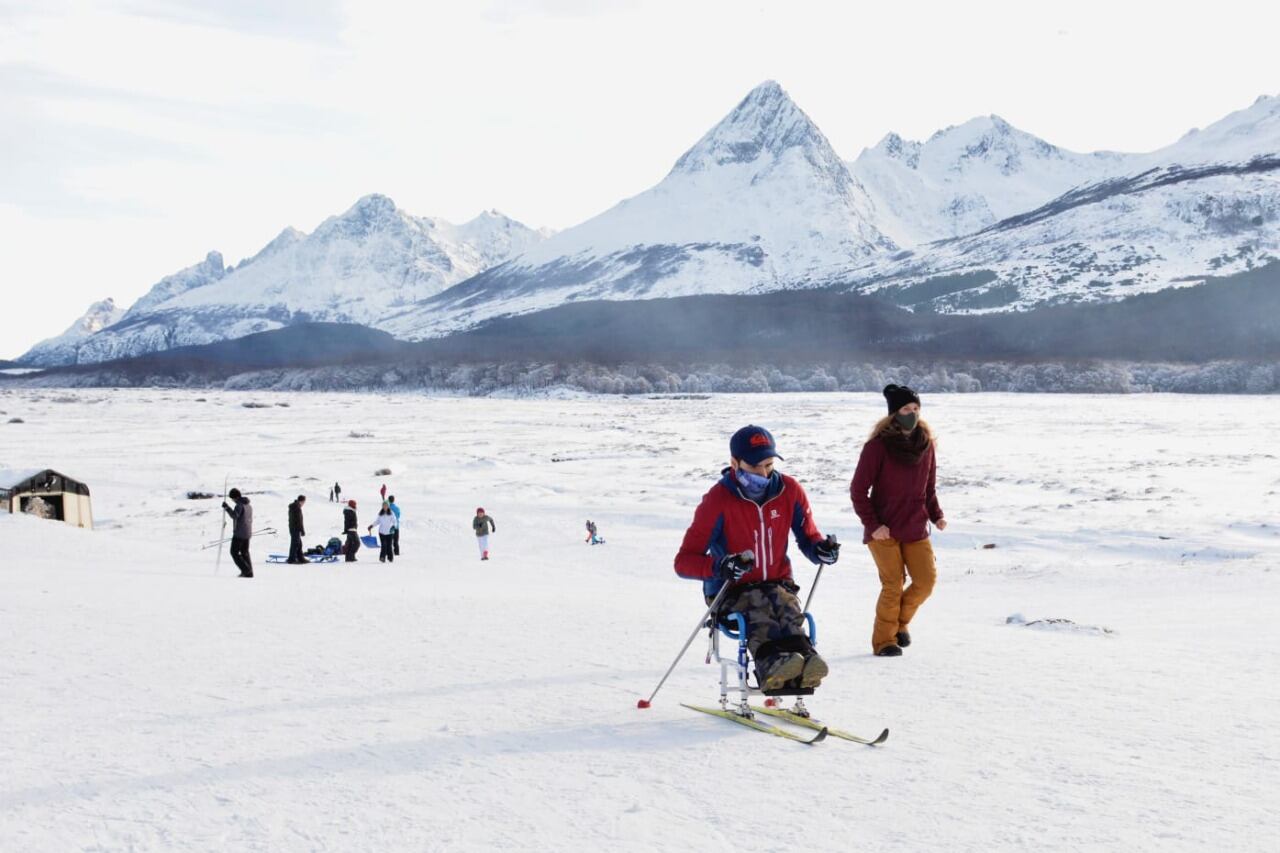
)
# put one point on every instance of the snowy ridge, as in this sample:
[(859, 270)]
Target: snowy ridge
[(1166, 227), (1239, 137), (359, 267), (64, 348), (966, 178), (198, 275), (761, 202)]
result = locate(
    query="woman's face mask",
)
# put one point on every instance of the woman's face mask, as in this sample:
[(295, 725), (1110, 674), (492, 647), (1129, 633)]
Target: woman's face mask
[(908, 421)]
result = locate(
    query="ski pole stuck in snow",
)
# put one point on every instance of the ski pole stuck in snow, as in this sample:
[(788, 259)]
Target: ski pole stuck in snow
[(645, 703), (222, 535)]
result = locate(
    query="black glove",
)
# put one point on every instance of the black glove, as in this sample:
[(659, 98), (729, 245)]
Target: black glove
[(224, 506), (828, 550), (733, 566)]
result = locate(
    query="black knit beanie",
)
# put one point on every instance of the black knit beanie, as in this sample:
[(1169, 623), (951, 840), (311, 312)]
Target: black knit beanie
[(898, 396)]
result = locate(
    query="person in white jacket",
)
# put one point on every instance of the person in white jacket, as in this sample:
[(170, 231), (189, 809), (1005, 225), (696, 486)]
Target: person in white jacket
[(386, 524)]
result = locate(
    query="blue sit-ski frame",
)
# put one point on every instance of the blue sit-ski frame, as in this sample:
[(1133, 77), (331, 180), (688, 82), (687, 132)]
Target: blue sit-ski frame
[(734, 626)]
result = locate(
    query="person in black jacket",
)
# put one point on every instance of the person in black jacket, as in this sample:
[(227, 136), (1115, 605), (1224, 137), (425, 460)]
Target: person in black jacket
[(296, 531), (241, 531), (352, 528)]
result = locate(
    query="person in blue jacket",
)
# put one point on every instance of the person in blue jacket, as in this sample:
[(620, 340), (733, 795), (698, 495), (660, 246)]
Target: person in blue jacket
[(395, 534)]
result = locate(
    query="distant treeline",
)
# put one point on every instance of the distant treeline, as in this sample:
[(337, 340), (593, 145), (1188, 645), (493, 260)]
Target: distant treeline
[(1219, 337), (531, 378)]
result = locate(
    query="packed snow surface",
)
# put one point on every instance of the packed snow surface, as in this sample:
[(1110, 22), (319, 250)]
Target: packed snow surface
[(1104, 678)]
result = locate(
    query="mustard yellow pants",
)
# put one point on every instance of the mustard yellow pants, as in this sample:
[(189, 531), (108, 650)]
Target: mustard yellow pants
[(896, 561)]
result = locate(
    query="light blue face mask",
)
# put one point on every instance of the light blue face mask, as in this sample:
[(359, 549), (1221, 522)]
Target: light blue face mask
[(752, 484)]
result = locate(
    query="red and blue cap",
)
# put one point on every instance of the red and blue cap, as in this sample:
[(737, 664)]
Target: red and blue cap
[(753, 444)]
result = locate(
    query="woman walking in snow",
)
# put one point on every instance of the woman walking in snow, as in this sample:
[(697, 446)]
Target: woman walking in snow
[(894, 494), (386, 524)]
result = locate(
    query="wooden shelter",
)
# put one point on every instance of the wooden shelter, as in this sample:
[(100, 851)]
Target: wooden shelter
[(67, 498)]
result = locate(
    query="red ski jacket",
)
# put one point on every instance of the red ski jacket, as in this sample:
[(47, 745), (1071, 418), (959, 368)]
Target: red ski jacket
[(728, 522)]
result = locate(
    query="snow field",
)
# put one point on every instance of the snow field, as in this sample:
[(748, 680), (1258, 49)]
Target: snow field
[(441, 703)]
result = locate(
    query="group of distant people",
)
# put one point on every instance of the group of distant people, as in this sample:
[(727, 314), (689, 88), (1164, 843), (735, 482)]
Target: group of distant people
[(387, 522)]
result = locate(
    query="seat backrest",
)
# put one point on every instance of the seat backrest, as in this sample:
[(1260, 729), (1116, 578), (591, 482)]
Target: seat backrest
[(732, 625)]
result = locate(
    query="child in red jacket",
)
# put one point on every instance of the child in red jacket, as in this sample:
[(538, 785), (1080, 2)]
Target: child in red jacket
[(739, 537)]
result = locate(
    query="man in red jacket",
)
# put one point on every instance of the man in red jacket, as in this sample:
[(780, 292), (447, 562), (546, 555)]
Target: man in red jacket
[(739, 537)]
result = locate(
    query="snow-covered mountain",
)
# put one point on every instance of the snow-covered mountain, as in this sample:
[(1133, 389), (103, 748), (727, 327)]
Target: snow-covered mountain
[(988, 217), (372, 261), (63, 349), (760, 203), (1237, 138), (966, 178), (207, 271), (980, 217), (1206, 205)]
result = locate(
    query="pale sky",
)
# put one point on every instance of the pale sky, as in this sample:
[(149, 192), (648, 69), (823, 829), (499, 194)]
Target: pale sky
[(137, 135)]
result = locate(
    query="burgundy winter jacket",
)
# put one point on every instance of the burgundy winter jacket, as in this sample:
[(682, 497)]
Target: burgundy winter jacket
[(728, 522), (902, 497)]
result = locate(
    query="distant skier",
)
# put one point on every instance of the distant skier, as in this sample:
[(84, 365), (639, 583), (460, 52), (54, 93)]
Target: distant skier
[(241, 532), (331, 497), (395, 534), (383, 491), (482, 524), (897, 467), (593, 536), (739, 537), (386, 523), (296, 531), (351, 528), (337, 493)]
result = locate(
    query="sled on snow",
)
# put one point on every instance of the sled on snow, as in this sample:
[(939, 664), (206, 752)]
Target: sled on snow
[(328, 555)]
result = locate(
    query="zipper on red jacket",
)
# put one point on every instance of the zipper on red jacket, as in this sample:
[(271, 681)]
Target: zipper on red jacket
[(756, 550), (763, 537)]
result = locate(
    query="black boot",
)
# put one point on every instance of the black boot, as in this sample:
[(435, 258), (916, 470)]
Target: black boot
[(889, 651), (904, 639)]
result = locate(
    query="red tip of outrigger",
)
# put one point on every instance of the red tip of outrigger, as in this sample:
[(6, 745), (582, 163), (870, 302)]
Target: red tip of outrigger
[(643, 703)]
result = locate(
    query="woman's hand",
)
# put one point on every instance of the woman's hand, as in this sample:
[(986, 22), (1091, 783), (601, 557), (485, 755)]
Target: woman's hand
[(881, 532), (941, 524)]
